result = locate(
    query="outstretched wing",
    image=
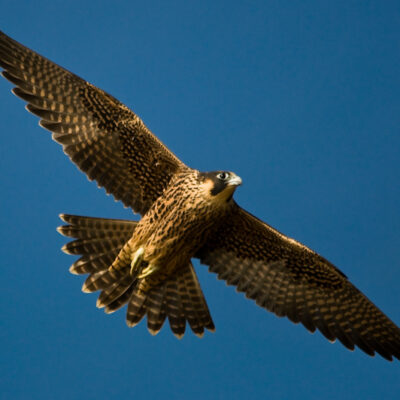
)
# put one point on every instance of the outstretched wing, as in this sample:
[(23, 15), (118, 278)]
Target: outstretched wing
[(291, 280), (101, 136)]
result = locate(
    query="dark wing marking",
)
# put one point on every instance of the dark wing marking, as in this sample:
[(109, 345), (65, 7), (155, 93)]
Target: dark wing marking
[(101, 136), (291, 280)]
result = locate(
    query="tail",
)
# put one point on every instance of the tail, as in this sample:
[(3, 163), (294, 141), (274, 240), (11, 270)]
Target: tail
[(179, 297)]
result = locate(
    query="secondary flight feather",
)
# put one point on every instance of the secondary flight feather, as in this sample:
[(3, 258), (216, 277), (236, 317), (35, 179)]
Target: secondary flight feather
[(186, 214)]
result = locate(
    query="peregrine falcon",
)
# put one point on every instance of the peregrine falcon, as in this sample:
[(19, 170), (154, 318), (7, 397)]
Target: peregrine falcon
[(186, 214)]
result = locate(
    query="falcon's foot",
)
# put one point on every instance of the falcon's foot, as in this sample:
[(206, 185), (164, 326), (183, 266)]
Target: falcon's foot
[(148, 270), (137, 260)]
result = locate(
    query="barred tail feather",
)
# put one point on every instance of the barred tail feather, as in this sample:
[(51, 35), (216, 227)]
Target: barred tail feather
[(156, 312), (179, 298), (114, 291), (120, 301), (98, 241)]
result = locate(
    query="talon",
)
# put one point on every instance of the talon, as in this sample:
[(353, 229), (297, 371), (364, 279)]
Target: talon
[(137, 259), (148, 270)]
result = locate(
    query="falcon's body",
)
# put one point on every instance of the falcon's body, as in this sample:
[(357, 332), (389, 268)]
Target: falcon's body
[(175, 227), (186, 214)]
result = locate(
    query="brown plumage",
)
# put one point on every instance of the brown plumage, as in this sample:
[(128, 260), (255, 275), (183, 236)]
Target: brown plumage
[(146, 264)]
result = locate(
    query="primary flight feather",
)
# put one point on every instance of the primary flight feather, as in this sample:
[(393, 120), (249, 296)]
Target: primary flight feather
[(186, 214)]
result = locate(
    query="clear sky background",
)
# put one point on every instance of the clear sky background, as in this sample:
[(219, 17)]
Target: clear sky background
[(299, 98)]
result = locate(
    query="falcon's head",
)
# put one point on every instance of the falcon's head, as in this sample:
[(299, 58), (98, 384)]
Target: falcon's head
[(221, 184)]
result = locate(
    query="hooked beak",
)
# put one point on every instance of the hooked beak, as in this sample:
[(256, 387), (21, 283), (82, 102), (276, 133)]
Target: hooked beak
[(235, 180)]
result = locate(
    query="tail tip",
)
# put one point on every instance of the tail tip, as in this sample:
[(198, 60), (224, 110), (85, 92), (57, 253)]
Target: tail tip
[(152, 331), (85, 289), (60, 230), (99, 303), (63, 217), (72, 270), (131, 324), (211, 328), (178, 335), (65, 249)]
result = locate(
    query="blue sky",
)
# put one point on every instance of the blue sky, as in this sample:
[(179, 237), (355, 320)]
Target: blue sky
[(301, 99)]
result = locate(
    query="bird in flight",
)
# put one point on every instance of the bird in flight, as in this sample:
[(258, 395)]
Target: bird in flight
[(186, 214)]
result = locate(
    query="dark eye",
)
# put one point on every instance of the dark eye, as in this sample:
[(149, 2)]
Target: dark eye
[(223, 176)]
